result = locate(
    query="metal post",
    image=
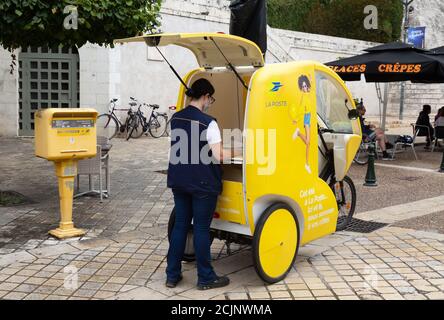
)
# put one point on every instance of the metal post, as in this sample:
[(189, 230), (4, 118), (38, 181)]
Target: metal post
[(442, 163), (406, 4), (385, 104), (370, 177)]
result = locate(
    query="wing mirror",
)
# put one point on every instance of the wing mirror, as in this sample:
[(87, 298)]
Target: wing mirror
[(353, 114)]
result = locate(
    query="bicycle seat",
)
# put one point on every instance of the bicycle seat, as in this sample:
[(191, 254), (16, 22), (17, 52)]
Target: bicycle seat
[(132, 98), (114, 100), (154, 106)]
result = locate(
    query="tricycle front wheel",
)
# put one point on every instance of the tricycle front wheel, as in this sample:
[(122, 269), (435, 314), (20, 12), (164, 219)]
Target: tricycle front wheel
[(275, 242)]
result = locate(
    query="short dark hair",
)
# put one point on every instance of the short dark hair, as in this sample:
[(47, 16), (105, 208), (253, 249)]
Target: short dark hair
[(303, 79), (200, 88), (426, 107)]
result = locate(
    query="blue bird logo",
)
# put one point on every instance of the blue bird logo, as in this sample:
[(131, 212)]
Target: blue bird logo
[(276, 86)]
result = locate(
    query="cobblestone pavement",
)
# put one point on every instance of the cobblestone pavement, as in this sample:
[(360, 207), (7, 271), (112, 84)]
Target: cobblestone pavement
[(123, 254)]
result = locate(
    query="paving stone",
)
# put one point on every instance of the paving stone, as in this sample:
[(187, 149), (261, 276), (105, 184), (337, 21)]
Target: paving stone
[(111, 287), (301, 294), (348, 298), (338, 285), (139, 294), (8, 286), (36, 281), (58, 297), (35, 296), (435, 295), (26, 288), (322, 293), (239, 295), (15, 296), (12, 258), (279, 294), (53, 250)]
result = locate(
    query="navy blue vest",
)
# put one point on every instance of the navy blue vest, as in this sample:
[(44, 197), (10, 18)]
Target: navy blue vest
[(186, 171)]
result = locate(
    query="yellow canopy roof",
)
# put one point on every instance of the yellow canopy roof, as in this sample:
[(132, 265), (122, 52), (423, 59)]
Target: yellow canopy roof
[(239, 51)]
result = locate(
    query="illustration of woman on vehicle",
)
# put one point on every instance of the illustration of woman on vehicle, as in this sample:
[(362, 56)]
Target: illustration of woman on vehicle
[(303, 110)]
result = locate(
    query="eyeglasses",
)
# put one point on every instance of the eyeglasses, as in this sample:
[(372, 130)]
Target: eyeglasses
[(212, 100)]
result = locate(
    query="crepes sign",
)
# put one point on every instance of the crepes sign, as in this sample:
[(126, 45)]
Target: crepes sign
[(382, 68), (358, 68)]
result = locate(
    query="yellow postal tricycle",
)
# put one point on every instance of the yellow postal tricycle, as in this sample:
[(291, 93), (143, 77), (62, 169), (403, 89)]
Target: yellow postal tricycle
[(299, 134)]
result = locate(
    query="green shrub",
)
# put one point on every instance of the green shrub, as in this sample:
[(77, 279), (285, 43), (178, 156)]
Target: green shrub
[(340, 18)]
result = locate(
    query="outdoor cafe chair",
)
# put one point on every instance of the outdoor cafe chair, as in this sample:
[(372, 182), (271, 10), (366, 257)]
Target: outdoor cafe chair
[(416, 129), (439, 134), (97, 166)]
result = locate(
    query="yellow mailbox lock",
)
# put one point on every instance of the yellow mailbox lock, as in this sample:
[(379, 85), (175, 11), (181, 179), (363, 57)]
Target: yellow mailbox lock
[(65, 136)]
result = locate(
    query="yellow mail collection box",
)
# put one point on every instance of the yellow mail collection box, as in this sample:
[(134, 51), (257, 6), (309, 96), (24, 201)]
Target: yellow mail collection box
[(65, 136), (65, 133)]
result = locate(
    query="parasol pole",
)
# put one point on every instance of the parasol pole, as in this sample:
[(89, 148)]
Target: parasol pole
[(406, 4), (384, 108)]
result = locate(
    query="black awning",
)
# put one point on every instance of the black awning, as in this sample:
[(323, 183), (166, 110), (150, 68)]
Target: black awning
[(391, 63)]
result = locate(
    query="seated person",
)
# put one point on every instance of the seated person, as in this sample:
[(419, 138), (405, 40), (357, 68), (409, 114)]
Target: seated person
[(370, 132), (439, 118), (439, 125), (424, 122)]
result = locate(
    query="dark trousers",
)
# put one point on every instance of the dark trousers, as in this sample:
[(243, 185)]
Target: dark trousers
[(199, 208)]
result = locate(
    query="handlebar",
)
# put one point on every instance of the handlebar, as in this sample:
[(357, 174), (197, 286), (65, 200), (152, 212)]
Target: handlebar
[(326, 130)]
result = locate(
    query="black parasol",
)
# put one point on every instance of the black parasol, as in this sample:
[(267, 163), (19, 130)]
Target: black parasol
[(391, 62), (249, 20), (438, 51)]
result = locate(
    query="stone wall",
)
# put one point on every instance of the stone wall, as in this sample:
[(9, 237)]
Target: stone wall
[(8, 95), (94, 77), (429, 14)]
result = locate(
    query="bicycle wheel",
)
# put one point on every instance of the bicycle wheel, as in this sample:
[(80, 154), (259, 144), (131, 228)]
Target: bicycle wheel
[(361, 157), (345, 193), (107, 126), (132, 127), (158, 126), (168, 128), (137, 131)]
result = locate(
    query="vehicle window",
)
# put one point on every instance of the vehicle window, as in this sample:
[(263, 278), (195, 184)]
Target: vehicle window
[(332, 103)]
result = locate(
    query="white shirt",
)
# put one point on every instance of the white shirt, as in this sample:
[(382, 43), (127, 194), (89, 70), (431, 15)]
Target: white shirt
[(213, 133)]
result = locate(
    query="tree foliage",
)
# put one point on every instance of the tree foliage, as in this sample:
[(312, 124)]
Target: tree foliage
[(43, 22), (340, 18)]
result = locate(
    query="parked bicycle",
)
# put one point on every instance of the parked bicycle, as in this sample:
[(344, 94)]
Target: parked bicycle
[(156, 124), (108, 124), (361, 157)]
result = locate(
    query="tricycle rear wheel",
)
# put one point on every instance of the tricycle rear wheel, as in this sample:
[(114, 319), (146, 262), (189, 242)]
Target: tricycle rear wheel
[(188, 255), (345, 193)]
